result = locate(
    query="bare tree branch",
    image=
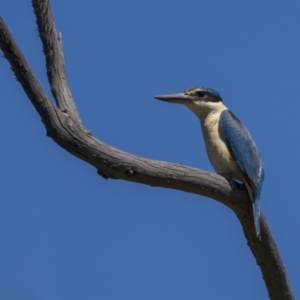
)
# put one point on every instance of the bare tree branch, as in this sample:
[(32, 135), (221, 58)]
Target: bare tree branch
[(52, 48), (64, 126)]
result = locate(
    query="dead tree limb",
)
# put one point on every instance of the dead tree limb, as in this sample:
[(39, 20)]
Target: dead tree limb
[(64, 126)]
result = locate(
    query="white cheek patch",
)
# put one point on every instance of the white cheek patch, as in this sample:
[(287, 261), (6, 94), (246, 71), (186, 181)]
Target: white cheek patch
[(203, 108)]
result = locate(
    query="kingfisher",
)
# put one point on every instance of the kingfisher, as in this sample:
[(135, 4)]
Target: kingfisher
[(230, 147)]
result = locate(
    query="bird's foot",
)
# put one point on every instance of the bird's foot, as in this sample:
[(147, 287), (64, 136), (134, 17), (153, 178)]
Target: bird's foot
[(232, 182)]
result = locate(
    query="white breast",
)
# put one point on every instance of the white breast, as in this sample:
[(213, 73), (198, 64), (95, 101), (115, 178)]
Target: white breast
[(217, 151)]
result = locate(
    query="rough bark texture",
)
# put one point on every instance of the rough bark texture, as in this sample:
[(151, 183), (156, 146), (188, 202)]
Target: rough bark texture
[(64, 126)]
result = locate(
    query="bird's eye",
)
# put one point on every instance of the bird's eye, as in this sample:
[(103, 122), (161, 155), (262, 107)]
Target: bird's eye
[(200, 94)]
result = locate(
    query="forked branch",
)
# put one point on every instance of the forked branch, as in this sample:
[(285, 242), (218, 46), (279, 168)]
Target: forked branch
[(64, 126)]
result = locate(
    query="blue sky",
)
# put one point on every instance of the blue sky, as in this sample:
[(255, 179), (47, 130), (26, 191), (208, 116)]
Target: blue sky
[(65, 232)]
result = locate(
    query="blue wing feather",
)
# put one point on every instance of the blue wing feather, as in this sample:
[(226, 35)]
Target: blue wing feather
[(245, 153)]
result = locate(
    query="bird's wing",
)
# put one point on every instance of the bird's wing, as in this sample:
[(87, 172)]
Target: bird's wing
[(243, 149)]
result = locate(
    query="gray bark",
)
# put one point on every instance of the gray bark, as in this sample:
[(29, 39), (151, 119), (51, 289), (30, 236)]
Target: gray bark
[(63, 125)]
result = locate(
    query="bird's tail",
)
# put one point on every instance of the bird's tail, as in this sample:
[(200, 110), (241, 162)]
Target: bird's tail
[(256, 215), (256, 208), (255, 203)]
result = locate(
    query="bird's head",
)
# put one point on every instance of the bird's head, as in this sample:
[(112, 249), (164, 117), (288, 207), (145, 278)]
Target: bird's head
[(201, 100)]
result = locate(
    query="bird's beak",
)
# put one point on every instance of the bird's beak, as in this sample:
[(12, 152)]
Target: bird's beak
[(175, 98)]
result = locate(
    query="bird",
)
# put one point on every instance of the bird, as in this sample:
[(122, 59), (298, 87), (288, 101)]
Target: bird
[(230, 148)]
